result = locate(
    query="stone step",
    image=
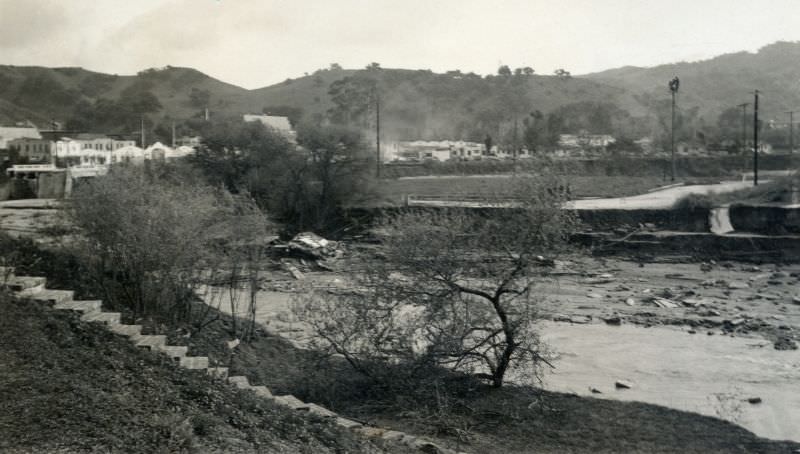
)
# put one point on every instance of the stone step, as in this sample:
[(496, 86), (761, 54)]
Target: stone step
[(240, 381), (194, 362), (347, 423), (127, 330), (86, 306), (151, 341), (371, 432), (262, 391), (174, 351), (218, 372), (292, 402), (319, 410), (48, 295), (30, 284), (109, 318)]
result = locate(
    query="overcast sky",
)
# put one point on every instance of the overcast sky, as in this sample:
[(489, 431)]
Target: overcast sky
[(253, 43)]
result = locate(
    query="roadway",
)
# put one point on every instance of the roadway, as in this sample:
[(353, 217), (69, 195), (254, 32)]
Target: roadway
[(658, 199)]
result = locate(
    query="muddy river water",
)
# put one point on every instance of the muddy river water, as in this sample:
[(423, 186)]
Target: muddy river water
[(711, 375)]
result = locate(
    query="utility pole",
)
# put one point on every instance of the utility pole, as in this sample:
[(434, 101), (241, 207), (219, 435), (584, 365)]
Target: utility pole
[(142, 131), (173, 134), (744, 126), (791, 131), (378, 131), (674, 84), (755, 140)]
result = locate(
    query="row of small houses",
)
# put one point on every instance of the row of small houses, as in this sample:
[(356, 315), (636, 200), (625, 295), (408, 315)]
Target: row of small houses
[(89, 149), (569, 146), (45, 165), (444, 150)]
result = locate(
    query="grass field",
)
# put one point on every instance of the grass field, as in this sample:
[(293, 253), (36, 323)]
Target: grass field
[(394, 191)]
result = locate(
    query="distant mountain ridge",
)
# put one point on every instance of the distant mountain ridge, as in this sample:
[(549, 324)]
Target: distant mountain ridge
[(416, 103)]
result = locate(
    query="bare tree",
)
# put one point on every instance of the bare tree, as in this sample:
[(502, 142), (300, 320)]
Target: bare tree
[(457, 287)]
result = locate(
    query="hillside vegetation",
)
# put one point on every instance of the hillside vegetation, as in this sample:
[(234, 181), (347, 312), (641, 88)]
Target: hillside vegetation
[(71, 386), (420, 104)]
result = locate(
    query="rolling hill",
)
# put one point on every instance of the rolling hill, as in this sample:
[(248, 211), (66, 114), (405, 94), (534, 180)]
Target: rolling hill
[(416, 104)]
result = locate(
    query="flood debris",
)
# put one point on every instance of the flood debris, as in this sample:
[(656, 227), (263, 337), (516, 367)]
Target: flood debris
[(664, 302), (310, 245), (292, 270)]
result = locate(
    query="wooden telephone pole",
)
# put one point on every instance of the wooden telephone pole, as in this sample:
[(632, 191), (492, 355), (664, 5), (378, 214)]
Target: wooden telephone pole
[(377, 132), (755, 140)]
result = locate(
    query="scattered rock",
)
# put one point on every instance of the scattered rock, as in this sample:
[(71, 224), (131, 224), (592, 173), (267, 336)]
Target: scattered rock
[(623, 384), (785, 343), (630, 302), (599, 280), (754, 400), (796, 299), (693, 302), (233, 344), (733, 285), (616, 321), (595, 391)]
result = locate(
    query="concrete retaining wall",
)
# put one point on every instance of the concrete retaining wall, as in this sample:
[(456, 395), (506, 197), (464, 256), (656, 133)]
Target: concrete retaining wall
[(696, 220), (51, 185), (750, 248), (769, 220)]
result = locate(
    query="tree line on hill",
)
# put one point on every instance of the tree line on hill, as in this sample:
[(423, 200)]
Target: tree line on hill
[(516, 107)]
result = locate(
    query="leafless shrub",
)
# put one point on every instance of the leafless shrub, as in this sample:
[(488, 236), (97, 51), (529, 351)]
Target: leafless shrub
[(457, 289)]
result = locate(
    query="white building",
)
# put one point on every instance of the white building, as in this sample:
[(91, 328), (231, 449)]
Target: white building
[(279, 124), (87, 149), (130, 154), (585, 140), (8, 133)]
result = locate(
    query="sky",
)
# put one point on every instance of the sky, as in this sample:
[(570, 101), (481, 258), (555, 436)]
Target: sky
[(254, 43)]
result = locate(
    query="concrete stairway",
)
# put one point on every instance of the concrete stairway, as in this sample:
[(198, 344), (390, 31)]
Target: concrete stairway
[(33, 288)]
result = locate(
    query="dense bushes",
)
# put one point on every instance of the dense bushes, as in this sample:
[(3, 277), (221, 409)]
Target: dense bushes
[(152, 237)]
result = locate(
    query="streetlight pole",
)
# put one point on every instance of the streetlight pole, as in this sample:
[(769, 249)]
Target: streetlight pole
[(674, 84), (755, 140)]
